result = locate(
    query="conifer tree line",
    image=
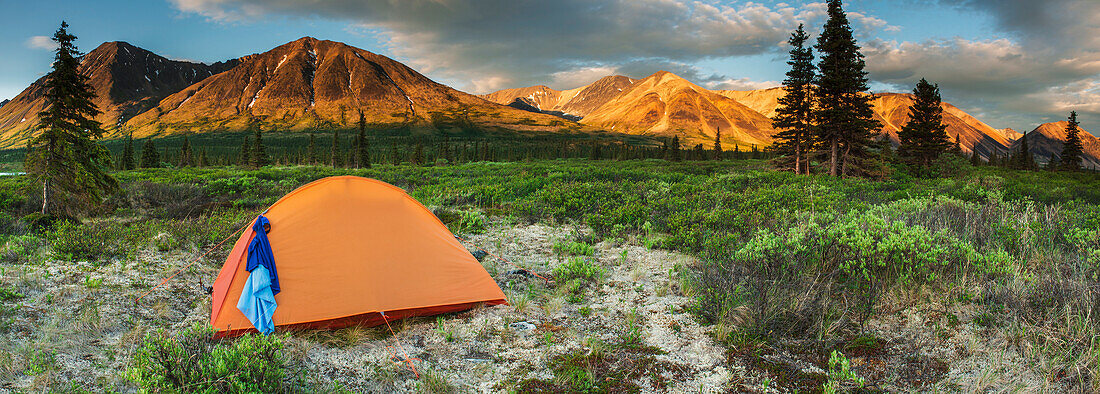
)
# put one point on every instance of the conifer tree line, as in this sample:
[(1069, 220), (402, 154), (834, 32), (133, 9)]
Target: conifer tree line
[(825, 120), (364, 150), (826, 114)]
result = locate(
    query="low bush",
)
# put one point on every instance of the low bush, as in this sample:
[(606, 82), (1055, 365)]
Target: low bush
[(576, 275), (574, 248), (170, 200), (21, 249), (193, 361), (462, 221), (95, 241)]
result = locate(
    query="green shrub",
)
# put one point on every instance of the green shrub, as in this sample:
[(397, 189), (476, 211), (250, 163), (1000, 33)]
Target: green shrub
[(577, 274), (462, 221), (841, 377), (95, 241), (9, 294), (21, 248), (579, 268), (193, 361), (36, 221)]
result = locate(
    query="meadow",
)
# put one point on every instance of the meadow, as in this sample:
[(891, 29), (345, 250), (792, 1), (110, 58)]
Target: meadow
[(813, 267)]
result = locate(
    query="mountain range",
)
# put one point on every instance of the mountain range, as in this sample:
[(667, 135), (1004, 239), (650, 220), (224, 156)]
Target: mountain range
[(127, 80), (311, 84), (302, 85)]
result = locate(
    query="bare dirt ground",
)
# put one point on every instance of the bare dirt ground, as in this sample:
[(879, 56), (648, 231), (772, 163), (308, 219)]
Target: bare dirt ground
[(75, 326)]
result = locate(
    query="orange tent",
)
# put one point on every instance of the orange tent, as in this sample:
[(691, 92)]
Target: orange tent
[(348, 249)]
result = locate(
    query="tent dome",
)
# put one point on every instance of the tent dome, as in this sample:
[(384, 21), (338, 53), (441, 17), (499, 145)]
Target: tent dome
[(348, 249)]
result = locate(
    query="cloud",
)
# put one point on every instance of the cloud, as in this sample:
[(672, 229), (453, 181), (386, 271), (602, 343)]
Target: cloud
[(485, 43), (1044, 63), (41, 42), (741, 84)]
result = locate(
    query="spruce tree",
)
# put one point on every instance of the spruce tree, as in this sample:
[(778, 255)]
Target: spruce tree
[(187, 159), (595, 154), (924, 138), (793, 117), (311, 152), (1027, 162), (362, 147), (334, 154), (62, 155), (1072, 148), (418, 153), (975, 159), (150, 157), (844, 116), (717, 144), (202, 159), (259, 153), (128, 161), (245, 155), (676, 156), (395, 156)]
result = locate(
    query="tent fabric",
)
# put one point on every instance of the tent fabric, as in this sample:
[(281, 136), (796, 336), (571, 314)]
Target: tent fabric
[(257, 301), (349, 249), (259, 252)]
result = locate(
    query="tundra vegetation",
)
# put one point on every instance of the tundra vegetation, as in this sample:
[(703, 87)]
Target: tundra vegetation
[(778, 259), (810, 282)]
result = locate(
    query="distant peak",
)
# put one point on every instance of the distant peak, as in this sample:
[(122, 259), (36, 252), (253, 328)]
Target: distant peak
[(111, 45)]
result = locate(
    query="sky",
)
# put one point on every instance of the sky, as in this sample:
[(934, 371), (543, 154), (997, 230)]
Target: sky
[(1011, 63)]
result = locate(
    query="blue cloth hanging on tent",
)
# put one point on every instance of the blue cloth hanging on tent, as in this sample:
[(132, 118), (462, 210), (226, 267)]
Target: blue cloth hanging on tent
[(257, 301), (259, 252)]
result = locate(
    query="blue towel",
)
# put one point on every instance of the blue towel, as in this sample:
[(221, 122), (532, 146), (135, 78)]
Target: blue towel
[(259, 253), (257, 301)]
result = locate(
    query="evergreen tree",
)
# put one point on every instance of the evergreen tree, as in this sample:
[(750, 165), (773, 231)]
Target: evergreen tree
[(259, 153), (395, 156), (187, 159), (975, 159), (717, 144), (793, 117), (202, 160), (596, 154), (150, 157), (418, 153), (1054, 164), (1072, 148), (311, 151), (245, 155), (924, 138), (957, 148), (334, 155), (63, 155), (362, 147), (128, 161), (844, 117), (676, 156), (1027, 162)]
